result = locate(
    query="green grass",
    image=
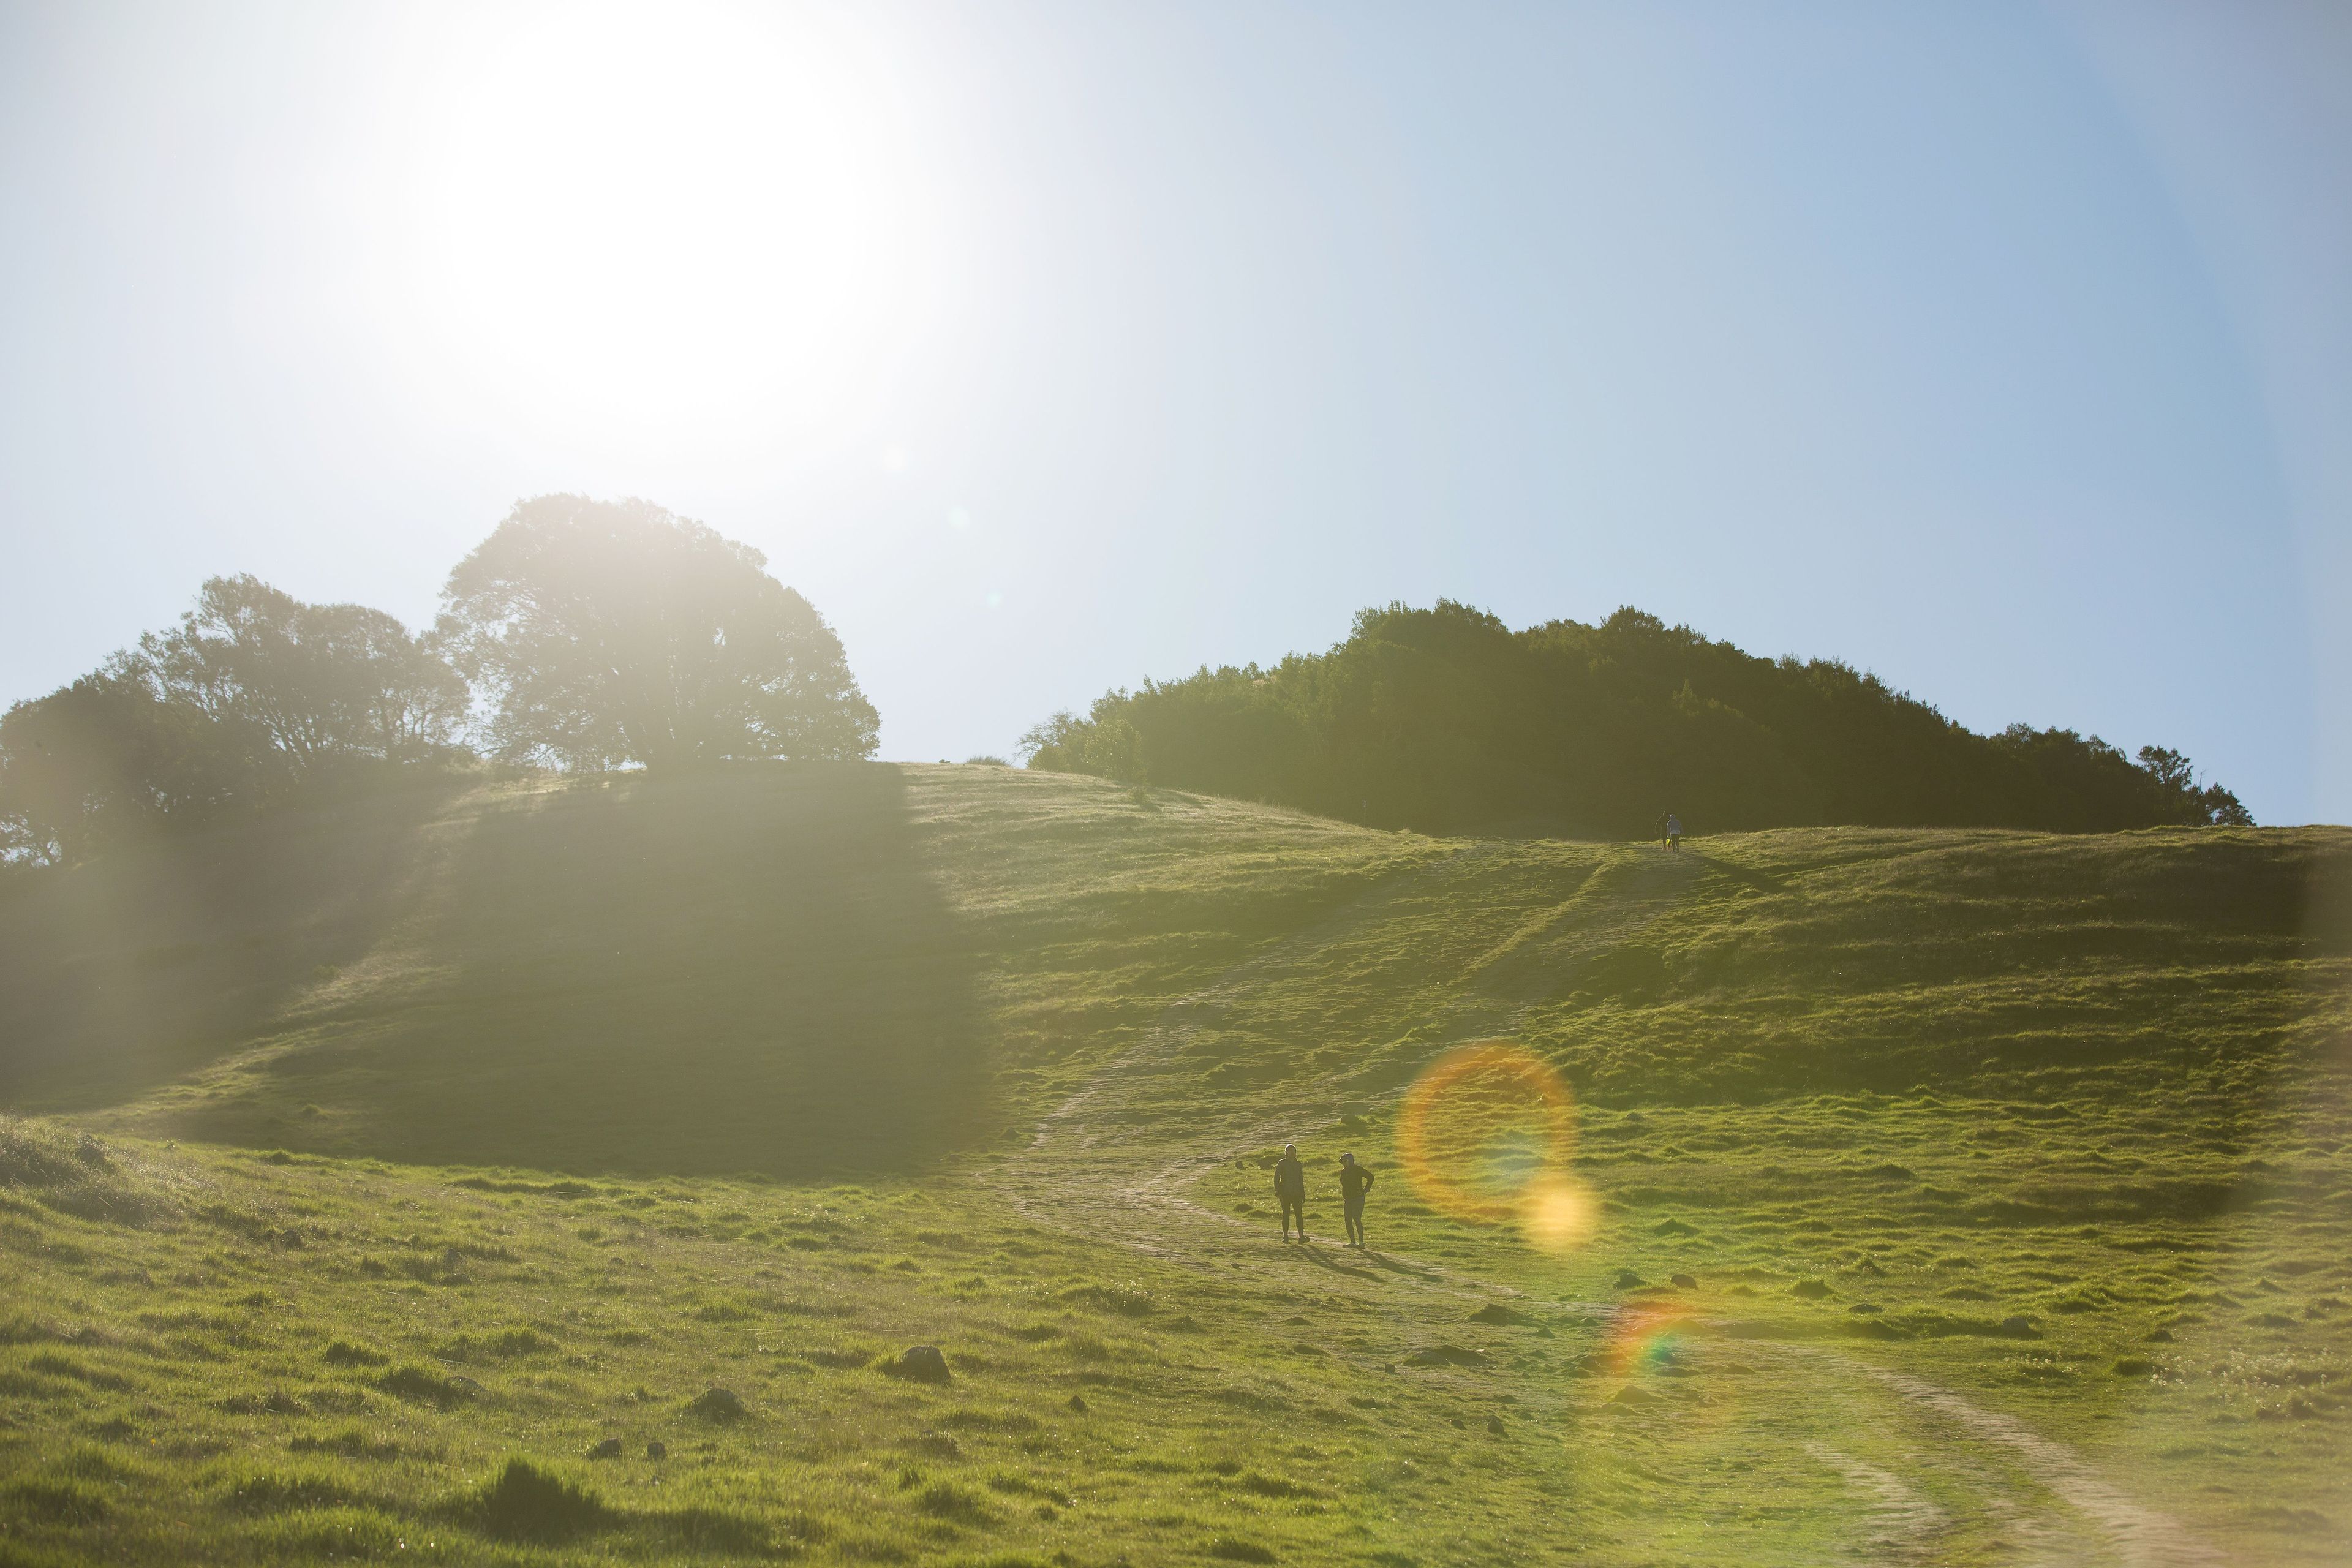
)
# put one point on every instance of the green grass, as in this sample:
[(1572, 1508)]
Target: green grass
[(381, 1163)]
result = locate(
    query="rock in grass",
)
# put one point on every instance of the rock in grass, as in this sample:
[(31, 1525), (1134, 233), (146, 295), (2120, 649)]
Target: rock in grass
[(1495, 1424), (1627, 1279), (610, 1448), (1078, 1404), (1446, 1355), (717, 1405), (658, 1450), (922, 1363), (1495, 1312), (1683, 1282), (1631, 1394), (1811, 1289)]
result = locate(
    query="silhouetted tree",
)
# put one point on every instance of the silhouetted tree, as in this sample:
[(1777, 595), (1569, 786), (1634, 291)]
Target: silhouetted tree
[(604, 633), (329, 682), (1105, 746), (253, 696), (106, 757), (2177, 775)]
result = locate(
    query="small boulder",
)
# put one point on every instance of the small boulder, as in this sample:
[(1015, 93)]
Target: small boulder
[(923, 1363), (1495, 1424), (1684, 1282), (1495, 1312), (1810, 1289), (717, 1405), (1079, 1404), (2019, 1328), (658, 1450), (1627, 1279), (610, 1448), (1446, 1355)]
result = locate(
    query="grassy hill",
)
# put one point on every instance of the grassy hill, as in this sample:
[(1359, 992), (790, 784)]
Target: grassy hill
[(1941, 1197)]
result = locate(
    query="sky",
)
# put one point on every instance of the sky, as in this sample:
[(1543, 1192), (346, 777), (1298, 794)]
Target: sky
[(2004, 350)]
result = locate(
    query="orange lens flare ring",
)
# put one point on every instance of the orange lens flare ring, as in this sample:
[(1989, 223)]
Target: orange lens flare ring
[(1467, 1101)]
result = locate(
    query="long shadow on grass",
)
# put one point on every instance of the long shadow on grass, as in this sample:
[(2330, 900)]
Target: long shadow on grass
[(159, 956), (747, 970), (1317, 1257)]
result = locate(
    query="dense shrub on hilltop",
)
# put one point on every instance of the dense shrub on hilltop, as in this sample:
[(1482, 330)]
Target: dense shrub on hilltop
[(1446, 721)]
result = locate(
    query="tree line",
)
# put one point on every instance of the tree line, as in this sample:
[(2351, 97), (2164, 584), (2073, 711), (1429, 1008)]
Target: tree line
[(580, 635), (1445, 721)]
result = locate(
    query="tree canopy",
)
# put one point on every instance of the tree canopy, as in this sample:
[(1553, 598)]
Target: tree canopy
[(254, 696), (328, 683), (609, 633), (1445, 719), (580, 635)]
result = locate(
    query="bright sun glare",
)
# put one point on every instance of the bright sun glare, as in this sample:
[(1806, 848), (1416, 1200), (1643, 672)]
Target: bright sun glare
[(670, 219)]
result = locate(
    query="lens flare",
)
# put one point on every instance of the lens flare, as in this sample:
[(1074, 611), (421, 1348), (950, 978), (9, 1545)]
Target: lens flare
[(1486, 1136), (1559, 1213), (1649, 1339)]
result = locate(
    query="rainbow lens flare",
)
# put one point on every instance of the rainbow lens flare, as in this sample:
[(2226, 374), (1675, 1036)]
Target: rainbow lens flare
[(1486, 1136), (1649, 1339)]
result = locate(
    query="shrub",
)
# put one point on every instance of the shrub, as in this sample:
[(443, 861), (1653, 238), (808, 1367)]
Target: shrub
[(285, 1494), (527, 1503), (57, 1502), (420, 1387), (945, 1499)]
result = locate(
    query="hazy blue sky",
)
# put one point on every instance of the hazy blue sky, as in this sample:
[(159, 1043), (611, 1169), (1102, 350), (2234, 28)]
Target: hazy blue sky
[(2005, 349)]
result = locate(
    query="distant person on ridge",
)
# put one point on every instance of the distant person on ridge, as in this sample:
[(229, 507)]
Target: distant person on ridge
[(1290, 1189), (1674, 833), (1354, 1182)]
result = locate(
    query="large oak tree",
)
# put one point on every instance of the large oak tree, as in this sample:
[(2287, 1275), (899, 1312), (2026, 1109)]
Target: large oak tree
[(604, 633)]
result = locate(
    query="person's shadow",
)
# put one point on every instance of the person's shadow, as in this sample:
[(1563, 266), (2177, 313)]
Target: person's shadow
[(1319, 1254)]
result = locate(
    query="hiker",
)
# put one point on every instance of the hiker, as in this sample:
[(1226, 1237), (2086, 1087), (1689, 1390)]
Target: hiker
[(1354, 1182), (1290, 1189), (1674, 833)]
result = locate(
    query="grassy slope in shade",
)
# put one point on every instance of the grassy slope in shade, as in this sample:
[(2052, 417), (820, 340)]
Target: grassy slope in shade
[(602, 1094)]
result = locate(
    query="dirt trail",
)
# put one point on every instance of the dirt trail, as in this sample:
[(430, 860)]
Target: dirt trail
[(1904, 1523), (1112, 1146)]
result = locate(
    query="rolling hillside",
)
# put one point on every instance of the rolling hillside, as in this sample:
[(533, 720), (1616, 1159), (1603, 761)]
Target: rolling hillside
[(1954, 1195)]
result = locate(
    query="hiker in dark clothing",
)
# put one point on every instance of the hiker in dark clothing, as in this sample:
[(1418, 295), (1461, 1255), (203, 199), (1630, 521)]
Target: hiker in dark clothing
[(1290, 1189), (1354, 1182)]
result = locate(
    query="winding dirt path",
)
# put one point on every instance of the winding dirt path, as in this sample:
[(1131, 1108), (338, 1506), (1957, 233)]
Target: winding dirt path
[(1131, 1140)]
